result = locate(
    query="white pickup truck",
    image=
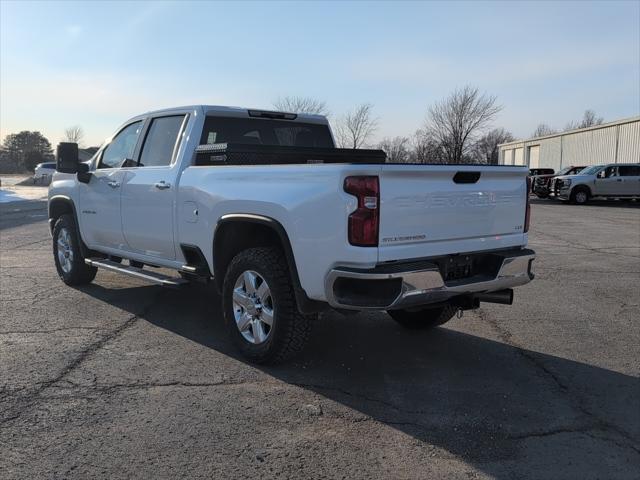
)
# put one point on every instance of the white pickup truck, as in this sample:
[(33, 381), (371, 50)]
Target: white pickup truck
[(285, 224)]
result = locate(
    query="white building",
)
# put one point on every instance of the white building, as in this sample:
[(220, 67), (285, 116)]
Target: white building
[(614, 142)]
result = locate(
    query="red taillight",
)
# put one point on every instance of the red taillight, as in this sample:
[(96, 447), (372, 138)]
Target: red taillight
[(527, 213), (363, 222)]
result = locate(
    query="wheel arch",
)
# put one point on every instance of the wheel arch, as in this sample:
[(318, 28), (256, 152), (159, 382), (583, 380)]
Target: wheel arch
[(60, 205), (238, 231)]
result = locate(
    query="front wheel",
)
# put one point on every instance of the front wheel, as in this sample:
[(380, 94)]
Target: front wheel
[(579, 196), (423, 318), (67, 255), (260, 310)]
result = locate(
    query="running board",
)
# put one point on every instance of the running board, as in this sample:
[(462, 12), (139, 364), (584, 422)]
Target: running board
[(149, 276)]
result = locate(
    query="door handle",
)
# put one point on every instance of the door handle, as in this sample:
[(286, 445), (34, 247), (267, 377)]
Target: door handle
[(619, 180), (113, 184), (162, 185)]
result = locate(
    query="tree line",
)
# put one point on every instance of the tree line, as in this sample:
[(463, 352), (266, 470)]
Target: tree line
[(21, 152), (457, 129), (589, 119)]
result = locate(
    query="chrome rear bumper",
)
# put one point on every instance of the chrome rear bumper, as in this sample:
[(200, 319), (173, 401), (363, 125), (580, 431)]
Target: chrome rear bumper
[(407, 284)]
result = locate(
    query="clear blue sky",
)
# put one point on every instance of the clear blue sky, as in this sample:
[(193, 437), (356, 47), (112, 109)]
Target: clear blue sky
[(97, 63)]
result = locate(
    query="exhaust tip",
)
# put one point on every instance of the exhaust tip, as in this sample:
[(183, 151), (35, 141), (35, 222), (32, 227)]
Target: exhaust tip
[(503, 297)]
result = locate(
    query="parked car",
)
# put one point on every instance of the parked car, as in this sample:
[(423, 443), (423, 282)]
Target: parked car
[(543, 185), (616, 180), (286, 225), (43, 172)]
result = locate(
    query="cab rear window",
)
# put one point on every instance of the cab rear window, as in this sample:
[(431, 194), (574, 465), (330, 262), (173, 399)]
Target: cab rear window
[(260, 131)]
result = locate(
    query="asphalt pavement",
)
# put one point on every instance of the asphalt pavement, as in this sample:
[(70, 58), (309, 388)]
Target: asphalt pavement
[(119, 379)]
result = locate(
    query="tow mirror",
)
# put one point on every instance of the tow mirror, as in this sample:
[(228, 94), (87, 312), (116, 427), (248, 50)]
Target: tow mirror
[(67, 157)]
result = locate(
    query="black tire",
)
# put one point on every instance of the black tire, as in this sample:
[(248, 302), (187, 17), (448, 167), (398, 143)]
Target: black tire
[(542, 195), (579, 195), (424, 318), (75, 272), (289, 330)]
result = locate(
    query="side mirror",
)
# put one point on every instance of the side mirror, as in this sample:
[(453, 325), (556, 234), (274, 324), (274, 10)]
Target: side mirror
[(84, 173), (67, 157)]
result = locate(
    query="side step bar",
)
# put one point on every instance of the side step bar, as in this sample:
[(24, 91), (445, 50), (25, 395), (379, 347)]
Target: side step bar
[(149, 276)]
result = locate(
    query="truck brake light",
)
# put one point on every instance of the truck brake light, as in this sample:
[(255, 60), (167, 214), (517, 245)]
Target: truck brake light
[(527, 213), (364, 221)]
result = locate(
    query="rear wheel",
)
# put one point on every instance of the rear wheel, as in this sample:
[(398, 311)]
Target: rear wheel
[(260, 310), (67, 254), (423, 318), (579, 196)]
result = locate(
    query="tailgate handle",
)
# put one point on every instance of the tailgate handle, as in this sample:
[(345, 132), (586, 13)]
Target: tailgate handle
[(466, 177)]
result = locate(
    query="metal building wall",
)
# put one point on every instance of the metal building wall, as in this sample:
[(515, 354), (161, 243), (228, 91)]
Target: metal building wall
[(550, 153), (616, 142), (629, 143)]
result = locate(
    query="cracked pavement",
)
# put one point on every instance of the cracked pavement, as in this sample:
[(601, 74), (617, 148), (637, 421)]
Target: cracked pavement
[(122, 379)]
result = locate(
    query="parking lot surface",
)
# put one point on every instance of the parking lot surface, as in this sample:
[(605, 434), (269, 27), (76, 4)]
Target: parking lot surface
[(121, 379)]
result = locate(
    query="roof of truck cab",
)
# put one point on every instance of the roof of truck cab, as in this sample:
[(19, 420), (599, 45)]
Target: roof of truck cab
[(221, 110)]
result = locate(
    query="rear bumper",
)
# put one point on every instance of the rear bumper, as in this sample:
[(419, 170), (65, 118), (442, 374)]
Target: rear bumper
[(415, 283)]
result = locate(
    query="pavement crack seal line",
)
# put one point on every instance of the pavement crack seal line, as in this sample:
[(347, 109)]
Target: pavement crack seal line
[(102, 389), (598, 424), (35, 395), (603, 250)]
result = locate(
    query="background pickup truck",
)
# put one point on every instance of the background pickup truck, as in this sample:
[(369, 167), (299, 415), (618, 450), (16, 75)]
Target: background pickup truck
[(285, 224), (615, 180)]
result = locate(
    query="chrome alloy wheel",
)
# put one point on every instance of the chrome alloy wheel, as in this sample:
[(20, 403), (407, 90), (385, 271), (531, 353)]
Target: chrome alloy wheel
[(65, 253), (253, 307)]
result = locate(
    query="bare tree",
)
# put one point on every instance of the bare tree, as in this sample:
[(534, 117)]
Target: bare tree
[(425, 149), (589, 119), (543, 130), (456, 121), (74, 134), (356, 127), (301, 105), (397, 149), (485, 149)]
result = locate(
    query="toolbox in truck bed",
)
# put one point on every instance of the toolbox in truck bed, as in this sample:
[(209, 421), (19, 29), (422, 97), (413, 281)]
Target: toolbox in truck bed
[(241, 154)]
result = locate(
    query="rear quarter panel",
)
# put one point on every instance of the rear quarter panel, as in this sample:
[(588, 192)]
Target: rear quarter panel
[(307, 200)]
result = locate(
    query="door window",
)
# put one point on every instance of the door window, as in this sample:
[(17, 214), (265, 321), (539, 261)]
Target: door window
[(608, 172), (629, 171), (162, 141), (121, 147)]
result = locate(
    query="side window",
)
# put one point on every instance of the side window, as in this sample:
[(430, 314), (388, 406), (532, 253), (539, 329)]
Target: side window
[(629, 171), (161, 142), (121, 147)]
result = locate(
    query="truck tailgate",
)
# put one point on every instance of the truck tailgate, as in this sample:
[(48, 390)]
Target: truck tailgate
[(429, 210)]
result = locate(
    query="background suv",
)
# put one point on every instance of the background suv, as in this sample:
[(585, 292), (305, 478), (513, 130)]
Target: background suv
[(43, 172)]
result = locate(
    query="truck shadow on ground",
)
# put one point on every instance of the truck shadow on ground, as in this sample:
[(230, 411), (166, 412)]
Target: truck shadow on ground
[(506, 410)]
